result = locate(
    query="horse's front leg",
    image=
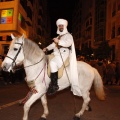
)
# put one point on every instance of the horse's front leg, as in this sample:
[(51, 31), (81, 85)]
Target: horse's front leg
[(44, 103), (28, 104)]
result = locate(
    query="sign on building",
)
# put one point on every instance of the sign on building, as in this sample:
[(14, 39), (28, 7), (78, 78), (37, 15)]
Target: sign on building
[(7, 16)]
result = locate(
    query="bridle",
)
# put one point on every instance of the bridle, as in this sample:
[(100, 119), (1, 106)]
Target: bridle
[(14, 59)]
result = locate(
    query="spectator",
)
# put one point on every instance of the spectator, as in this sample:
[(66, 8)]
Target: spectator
[(5, 75), (100, 66), (117, 75), (110, 73)]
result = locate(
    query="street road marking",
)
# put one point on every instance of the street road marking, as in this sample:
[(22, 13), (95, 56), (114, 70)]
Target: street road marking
[(9, 104)]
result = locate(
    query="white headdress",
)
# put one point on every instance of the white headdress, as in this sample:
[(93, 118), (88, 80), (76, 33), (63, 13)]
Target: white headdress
[(64, 23)]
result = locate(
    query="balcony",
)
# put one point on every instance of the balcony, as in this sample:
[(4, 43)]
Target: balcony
[(29, 12)]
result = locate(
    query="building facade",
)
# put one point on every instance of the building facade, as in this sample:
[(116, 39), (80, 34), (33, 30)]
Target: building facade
[(76, 23), (23, 16), (87, 31), (100, 21), (113, 27), (83, 28)]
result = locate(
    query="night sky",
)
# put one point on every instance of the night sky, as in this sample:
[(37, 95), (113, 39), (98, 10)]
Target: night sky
[(60, 9)]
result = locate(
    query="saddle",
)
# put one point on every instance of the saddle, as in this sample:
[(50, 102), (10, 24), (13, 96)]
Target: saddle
[(60, 71)]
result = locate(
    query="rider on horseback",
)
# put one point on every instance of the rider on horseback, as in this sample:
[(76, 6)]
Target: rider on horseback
[(63, 47)]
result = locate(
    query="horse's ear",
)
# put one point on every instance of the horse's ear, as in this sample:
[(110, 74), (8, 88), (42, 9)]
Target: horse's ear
[(12, 36)]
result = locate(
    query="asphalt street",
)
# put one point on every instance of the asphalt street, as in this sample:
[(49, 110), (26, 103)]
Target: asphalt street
[(62, 106)]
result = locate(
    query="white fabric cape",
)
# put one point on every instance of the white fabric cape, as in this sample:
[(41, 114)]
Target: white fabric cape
[(75, 85)]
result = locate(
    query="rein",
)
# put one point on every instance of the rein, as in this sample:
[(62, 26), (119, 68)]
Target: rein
[(41, 71), (30, 65)]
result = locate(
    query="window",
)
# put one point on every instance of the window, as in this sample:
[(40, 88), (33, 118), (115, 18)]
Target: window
[(0, 38), (39, 31), (118, 32), (5, 48), (29, 12), (9, 38), (119, 6), (90, 21), (113, 31), (39, 21), (89, 44), (40, 12), (114, 9), (24, 4), (21, 21), (87, 23), (23, 25)]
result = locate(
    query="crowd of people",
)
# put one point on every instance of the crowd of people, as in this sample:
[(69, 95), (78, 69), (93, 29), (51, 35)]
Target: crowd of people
[(109, 70), (11, 77)]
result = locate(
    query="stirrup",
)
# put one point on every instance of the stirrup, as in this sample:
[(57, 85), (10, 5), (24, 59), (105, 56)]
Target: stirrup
[(52, 90)]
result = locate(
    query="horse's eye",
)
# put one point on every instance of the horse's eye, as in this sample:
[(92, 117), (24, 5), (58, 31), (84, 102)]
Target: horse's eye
[(15, 49)]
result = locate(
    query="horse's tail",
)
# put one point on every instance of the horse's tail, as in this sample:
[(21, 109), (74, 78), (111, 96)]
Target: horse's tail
[(98, 86)]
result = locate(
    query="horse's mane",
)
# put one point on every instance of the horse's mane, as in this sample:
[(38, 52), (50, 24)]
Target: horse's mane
[(32, 51)]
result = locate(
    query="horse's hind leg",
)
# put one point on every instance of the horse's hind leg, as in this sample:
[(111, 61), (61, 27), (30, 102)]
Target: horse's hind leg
[(86, 100), (44, 103), (89, 108), (28, 104)]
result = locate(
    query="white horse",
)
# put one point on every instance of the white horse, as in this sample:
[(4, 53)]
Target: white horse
[(23, 50)]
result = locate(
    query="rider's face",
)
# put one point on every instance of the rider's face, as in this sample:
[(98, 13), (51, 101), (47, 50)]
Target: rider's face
[(61, 28)]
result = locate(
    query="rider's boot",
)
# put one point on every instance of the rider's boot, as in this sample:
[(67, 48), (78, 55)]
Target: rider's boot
[(53, 87)]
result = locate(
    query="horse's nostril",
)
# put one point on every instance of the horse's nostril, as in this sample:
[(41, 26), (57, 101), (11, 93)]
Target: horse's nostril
[(4, 68)]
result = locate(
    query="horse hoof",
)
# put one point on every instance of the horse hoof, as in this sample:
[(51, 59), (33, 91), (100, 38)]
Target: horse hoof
[(76, 118), (20, 104), (42, 118)]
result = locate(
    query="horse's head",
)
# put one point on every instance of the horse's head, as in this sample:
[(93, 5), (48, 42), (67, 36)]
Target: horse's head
[(15, 54)]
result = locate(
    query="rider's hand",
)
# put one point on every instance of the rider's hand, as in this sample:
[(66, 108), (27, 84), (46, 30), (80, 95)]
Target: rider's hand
[(56, 40), (44, 49)]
